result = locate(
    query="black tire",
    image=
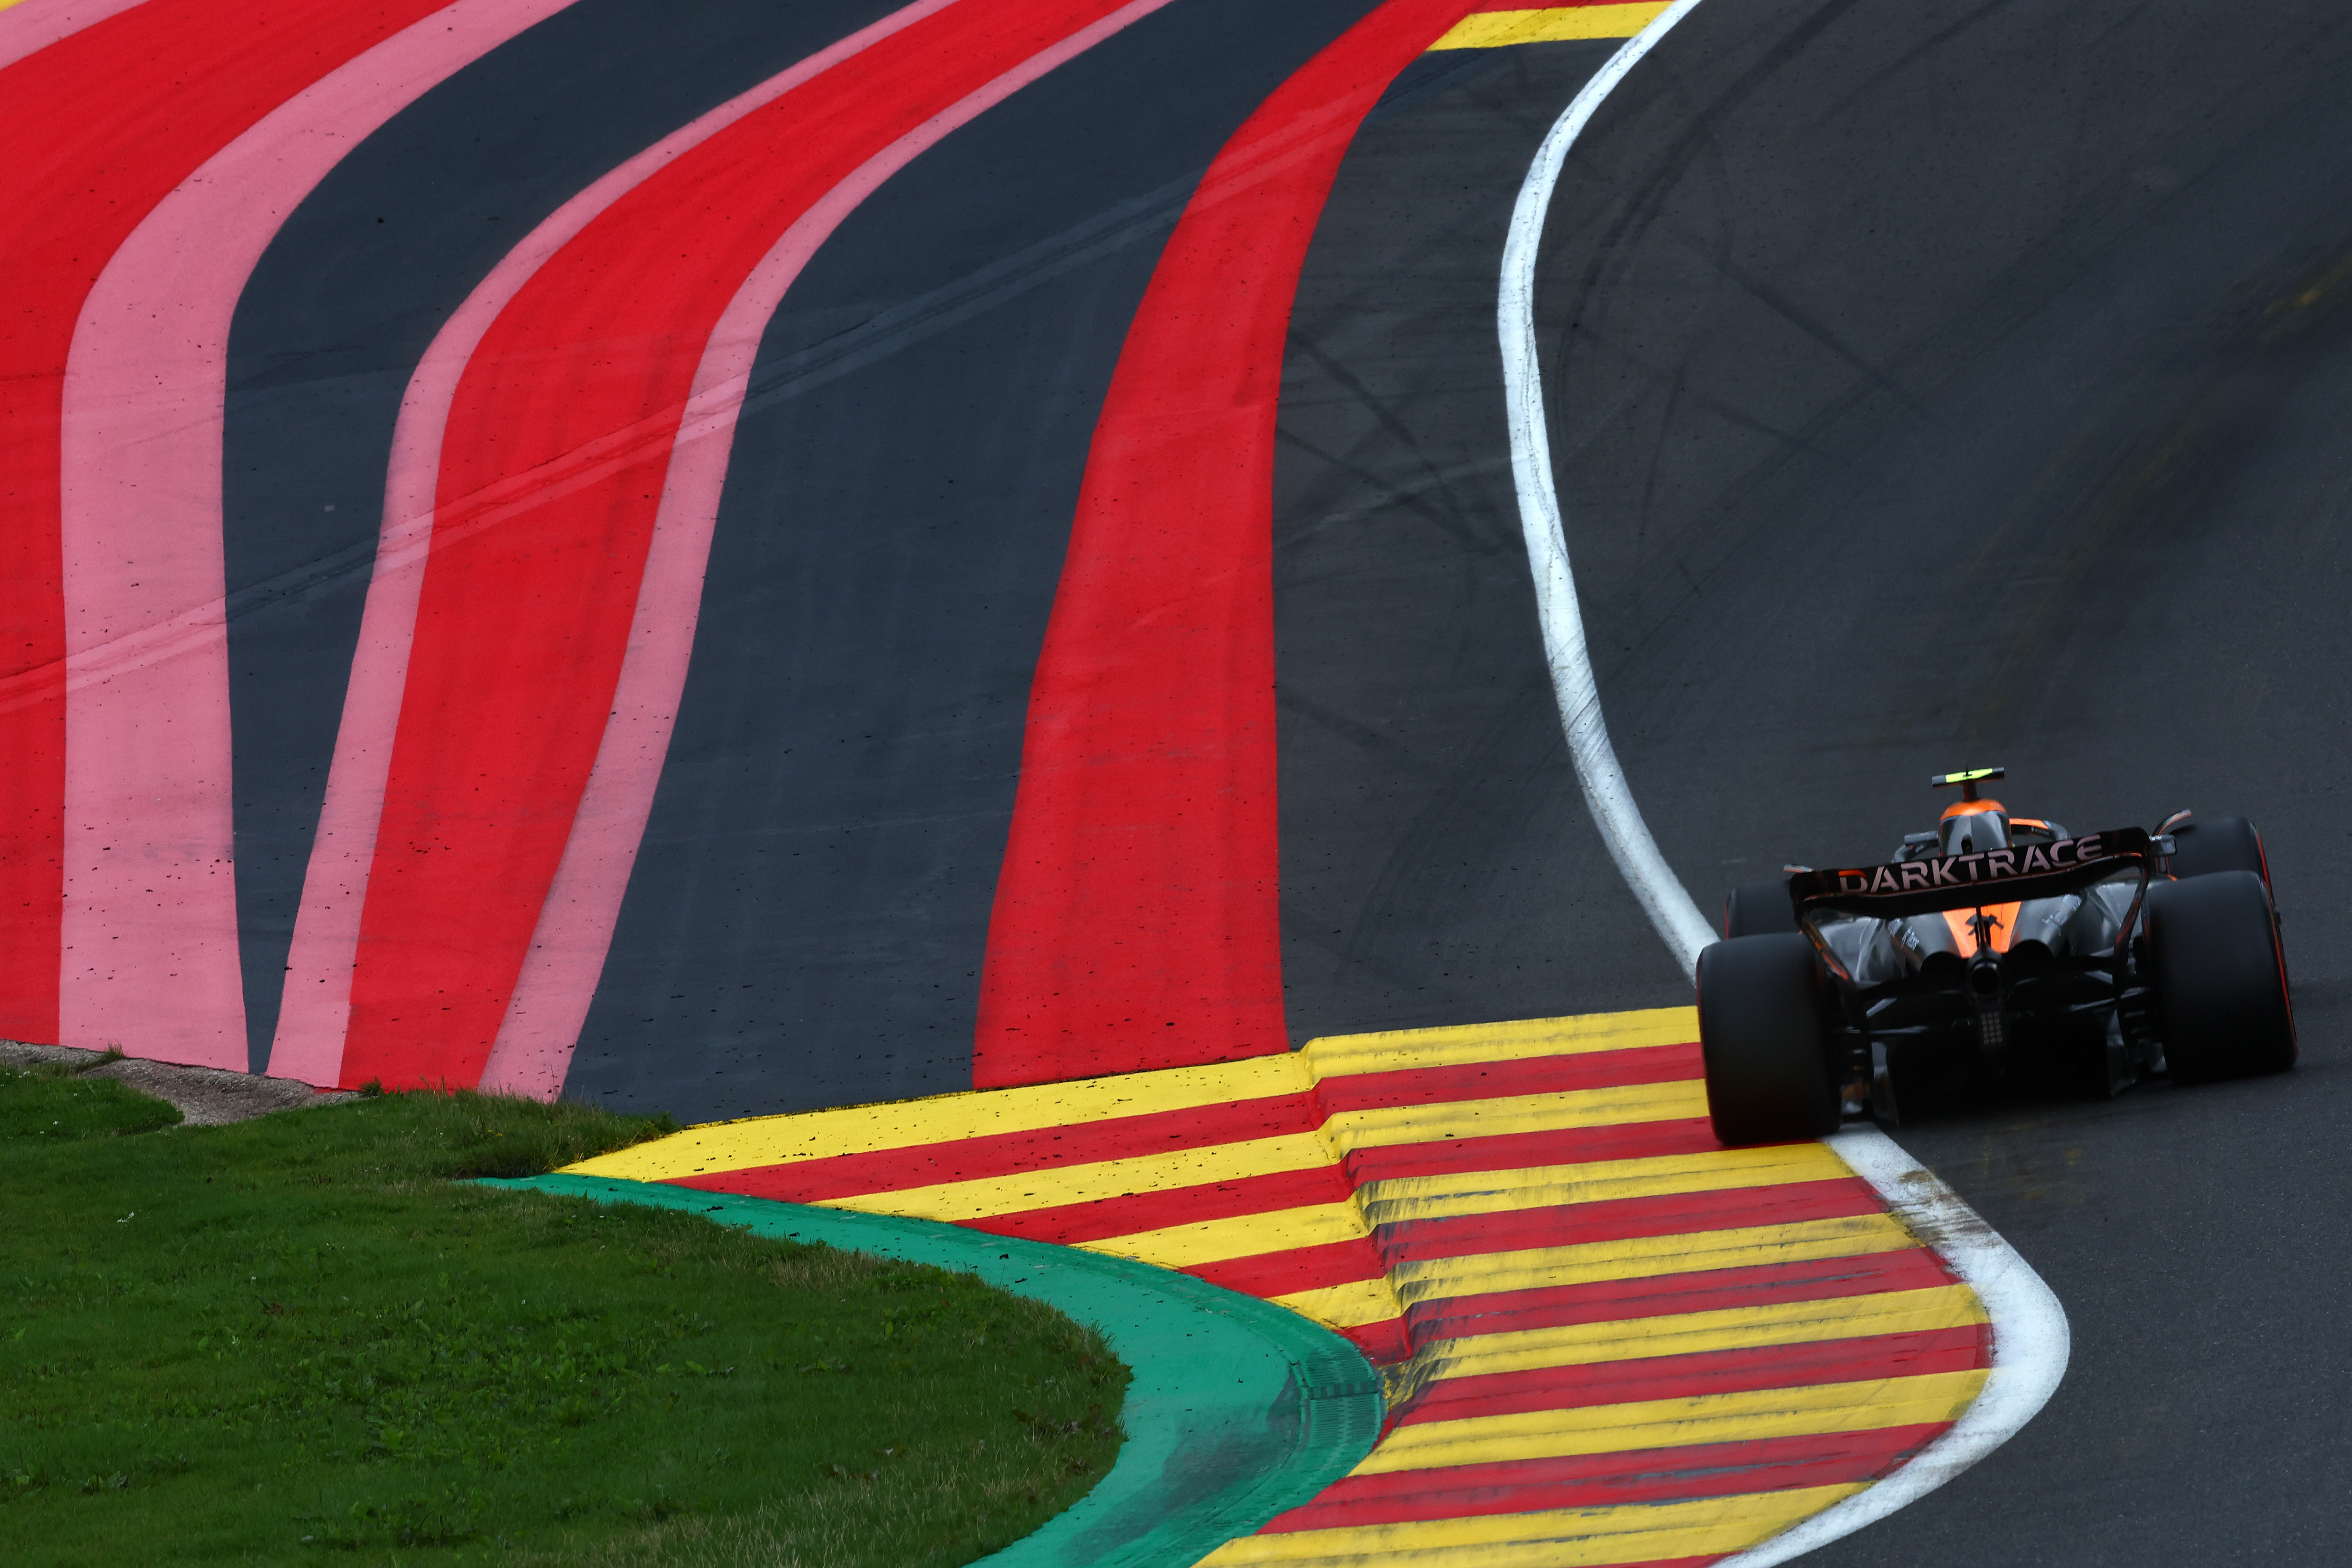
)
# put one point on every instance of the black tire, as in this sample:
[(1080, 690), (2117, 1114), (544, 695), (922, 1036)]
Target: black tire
[(2220, 977), (2222, 844), (1759, 908), (1761, 1032)]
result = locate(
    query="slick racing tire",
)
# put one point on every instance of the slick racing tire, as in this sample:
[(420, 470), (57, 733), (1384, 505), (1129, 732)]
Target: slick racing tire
[(2220, 977), (1759, 908), (2222, 844), (1760, 1029)]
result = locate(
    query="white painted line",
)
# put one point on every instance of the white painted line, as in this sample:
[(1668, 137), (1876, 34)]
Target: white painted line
[(1663, 896), (2031, 1340)]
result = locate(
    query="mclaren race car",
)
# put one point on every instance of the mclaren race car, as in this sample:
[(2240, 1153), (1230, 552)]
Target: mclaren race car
[(1993, 947)]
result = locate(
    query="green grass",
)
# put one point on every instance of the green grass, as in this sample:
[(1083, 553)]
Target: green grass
[(297, 1340), (50, 1103)]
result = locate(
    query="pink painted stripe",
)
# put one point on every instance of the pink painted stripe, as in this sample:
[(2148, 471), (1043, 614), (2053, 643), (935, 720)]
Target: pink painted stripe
[(149, 957), (550, 1004), (315, 1017), (33, 26)]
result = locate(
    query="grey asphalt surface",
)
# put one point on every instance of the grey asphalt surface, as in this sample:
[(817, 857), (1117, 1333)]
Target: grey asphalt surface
[(1930, 388)]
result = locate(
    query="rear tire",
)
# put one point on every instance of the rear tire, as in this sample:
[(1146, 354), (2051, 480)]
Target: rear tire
[(2220, 977), (2223, 844), (1762, 1032), (1759, 908)]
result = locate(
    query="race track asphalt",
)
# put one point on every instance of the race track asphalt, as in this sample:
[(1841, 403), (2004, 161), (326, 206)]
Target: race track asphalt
[(1930, 389)]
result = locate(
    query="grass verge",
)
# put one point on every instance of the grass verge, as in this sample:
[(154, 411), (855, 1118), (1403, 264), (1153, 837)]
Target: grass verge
[(296, 1339)]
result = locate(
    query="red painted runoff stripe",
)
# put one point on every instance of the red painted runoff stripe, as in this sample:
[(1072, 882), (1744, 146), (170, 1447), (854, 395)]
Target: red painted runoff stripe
[(561, 432), (1863, 1358), (1135, 922), (1522, 1150), (1700, 1291), (1603, 1480), (1010, 1153), (1495, 1080), (1071, 1224), (1383, 1343), (95, 129), (1618, 1219), (1294, 1269)]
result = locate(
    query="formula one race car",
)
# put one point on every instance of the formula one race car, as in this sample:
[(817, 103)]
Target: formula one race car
[(1994, 945)]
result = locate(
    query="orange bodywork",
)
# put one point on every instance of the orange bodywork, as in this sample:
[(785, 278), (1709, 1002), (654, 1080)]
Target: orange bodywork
[(2004, 916), (1972, 808)]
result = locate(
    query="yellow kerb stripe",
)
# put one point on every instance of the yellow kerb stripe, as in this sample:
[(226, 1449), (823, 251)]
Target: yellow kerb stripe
[(1349, 1306), (1690, 1333), (1545, 1186), (1340, 1056), (1554, 1538), (981, 1199), (1389, 1125), (1421, 1280), (1749, 1416), (943, 1119), (1553, 24), (1245, 1235)]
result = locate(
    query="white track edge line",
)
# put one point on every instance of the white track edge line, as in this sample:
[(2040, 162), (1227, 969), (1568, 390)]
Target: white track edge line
[(1645, 871), (2032, 1342)]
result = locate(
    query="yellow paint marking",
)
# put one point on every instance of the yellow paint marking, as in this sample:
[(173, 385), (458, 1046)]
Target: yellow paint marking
[(1349, 1306), (1388, 1125), (1546, 1186), (914, 1124), (1394, 1050), (1422, 1280), (987, 1196), (1552, 24), (1690, 1333), (1244, 1235), (1749, 1416), (1553, 1538)]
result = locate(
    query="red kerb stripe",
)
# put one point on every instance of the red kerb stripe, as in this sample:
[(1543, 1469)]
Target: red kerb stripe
[(1135, 922), (1070, 1223), (1299, 1269), (1493, 1081), (1700, 1291), (1865, 1359), (1621, 1219), (1010, 1153), (1519, 1150), (1603, 1480)]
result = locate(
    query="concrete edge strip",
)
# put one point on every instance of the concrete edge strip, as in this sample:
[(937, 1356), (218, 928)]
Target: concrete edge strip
[(1239, 1410), (2030, 1340)]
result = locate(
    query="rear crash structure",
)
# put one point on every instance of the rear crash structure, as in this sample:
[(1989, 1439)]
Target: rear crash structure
[(1999, 946)]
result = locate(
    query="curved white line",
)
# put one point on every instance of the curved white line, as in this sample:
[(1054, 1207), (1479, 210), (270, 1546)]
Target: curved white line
[(1621, 828), (2030, 1340)]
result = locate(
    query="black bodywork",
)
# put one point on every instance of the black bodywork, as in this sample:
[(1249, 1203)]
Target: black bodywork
[(2063, 991)]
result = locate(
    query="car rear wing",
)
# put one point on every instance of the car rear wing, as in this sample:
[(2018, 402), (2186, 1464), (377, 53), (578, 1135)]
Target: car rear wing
[(1937, 882)]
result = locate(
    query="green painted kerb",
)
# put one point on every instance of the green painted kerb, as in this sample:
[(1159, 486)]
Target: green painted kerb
[(1237, 1411)]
